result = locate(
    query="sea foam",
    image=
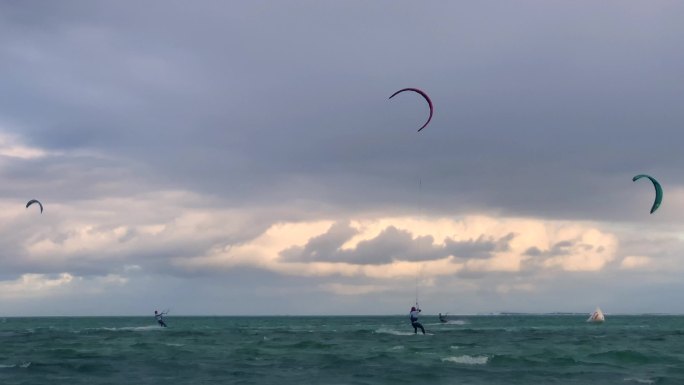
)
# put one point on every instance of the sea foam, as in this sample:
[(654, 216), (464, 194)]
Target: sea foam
[(22, 365), (640, 380), (393, 332), (456, 322), (467, 360), (132, 328)]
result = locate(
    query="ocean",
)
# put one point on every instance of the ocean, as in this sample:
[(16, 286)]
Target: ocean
[(497, 349)]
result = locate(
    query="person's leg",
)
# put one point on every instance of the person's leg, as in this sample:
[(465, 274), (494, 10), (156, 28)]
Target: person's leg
[(421, 327)]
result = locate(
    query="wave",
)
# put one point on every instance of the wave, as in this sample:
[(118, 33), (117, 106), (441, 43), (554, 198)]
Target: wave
[(131, 328), (640, 380), (467, 360), (309, 344), (451, 322), (625, 357), (457, 322), (393, 332), (22, 365)]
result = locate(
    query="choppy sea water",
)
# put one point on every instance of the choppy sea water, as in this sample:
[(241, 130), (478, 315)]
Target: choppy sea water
[(342, 350)]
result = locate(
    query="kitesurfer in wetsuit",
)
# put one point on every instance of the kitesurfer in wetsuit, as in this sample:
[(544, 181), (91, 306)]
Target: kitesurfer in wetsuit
[(160, 318), (414, 320)]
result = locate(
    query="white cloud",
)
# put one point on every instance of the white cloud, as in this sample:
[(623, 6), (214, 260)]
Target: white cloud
[(344, 289), (11, 146), (590, 250), (63, 284), (35, 285), (114, 227), (508, 288), (634, 262)]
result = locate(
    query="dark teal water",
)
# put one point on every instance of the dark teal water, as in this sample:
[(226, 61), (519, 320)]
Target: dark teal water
[(342, 350)]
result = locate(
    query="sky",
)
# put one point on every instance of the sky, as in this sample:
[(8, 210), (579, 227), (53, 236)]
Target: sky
[(243, 158)]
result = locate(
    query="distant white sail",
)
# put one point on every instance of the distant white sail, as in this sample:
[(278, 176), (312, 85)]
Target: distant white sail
[(596, 316)]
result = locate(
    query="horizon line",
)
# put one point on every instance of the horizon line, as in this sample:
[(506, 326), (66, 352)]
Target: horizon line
[(490, 314)]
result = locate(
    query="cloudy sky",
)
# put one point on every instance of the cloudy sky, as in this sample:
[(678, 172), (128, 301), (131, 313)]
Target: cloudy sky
[(229, 158)]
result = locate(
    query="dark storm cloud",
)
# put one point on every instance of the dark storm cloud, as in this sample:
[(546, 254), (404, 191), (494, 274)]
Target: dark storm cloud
[(543, 109), (544, 113), (558, 249), (323, 246), (70, 178), (482, 247), (392, 244), (533, 252)]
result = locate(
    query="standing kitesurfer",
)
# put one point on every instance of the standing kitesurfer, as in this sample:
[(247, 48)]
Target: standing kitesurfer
[(414, 320), (160, 317)]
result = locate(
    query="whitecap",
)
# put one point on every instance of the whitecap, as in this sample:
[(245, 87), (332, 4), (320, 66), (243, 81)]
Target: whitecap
[(467, 360), (393, 332), (457, 322), (449, 322), (640, 380), (397, 348), (22, 365), (143, 328), (131, 328), (454, 347)]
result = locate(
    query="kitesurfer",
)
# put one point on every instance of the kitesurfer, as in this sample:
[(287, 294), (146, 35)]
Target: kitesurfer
[(160, 318), (414, 320)]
